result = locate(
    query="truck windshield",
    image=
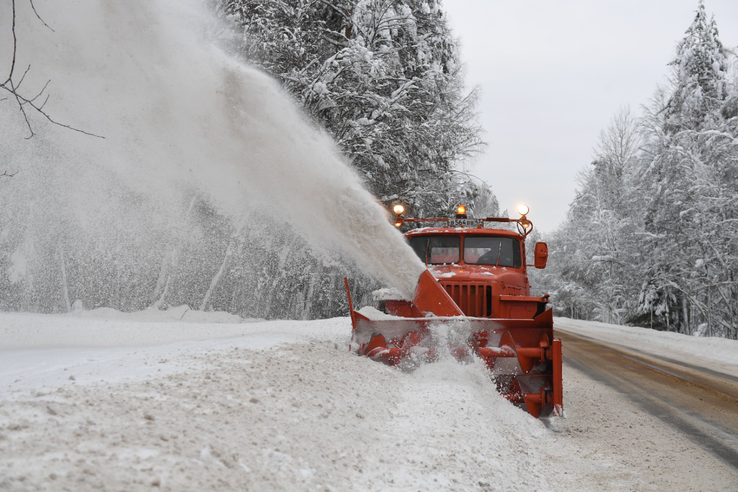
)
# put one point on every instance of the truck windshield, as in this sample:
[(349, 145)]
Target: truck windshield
[(436, 249), (490, 250)]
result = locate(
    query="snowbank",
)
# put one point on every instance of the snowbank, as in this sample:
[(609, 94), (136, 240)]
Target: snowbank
[(278, 405), (713, 353), (110, 328), (45, 352)]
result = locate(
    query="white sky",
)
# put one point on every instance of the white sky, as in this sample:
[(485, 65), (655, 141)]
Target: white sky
[(554, 73)]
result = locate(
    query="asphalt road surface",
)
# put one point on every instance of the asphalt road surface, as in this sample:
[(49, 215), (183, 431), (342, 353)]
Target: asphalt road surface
[(699, 403)]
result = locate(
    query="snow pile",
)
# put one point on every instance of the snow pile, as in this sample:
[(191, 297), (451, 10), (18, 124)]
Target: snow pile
[(716, 353), (251, 412), (170, 314), (111, 328), (44, 352)]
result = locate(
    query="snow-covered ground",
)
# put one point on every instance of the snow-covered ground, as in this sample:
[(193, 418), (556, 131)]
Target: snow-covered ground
[(180, 399), (713, 353)]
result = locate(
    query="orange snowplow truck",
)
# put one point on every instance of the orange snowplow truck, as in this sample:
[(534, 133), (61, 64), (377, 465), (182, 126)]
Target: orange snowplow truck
[(472, 300)]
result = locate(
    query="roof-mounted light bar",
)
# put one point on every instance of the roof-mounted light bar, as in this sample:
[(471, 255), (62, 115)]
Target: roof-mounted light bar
[(525, 226)]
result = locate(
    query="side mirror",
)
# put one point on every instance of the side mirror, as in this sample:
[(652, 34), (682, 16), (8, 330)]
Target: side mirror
[(541, 255)]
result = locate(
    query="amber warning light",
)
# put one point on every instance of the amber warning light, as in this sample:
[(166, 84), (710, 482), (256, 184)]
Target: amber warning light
[(398, 209)]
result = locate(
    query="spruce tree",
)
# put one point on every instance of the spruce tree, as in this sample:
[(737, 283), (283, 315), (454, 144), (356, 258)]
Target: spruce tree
[(698, 76)]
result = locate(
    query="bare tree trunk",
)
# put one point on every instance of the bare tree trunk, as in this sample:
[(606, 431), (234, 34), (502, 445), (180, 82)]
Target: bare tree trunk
[(685, 311), (218, 276), (168, 266), (162, 284), (229, 252), (709, 313), (65, 284)]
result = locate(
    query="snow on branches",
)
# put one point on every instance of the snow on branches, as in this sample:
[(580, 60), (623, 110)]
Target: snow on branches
[(650, 237)]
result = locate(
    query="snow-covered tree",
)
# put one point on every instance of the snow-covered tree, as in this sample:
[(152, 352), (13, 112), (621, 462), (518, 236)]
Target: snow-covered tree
[(691, 226), (689, 132), (382, 76), (698, 77), (594, 253), (650, 237)]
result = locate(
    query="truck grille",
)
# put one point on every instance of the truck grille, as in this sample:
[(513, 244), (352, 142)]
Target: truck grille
[(473, 299)]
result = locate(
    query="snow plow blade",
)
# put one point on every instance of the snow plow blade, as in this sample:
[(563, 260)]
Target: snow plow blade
[(521, 354), (431, 298)]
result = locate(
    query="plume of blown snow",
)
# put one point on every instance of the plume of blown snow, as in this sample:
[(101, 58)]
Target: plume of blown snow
[(177, 115)]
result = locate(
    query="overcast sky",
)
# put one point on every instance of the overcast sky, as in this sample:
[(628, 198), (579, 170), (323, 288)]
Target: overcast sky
[(554, 73)]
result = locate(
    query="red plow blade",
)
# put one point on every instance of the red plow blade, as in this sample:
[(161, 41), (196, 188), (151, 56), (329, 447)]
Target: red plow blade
[(521, 355)]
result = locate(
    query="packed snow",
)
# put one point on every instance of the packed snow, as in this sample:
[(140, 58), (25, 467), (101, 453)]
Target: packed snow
[(184, 399), (104, 400)]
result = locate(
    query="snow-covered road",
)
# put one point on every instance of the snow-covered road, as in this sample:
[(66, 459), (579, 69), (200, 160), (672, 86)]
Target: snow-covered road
[(650, 425), (699, 403), (184, 400)]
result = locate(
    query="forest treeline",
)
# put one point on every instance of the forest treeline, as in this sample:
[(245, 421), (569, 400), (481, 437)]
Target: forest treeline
[(651, 238), (384, 79)]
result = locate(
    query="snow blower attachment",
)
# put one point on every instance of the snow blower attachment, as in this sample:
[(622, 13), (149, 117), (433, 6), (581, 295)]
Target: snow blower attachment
[(473, 299)]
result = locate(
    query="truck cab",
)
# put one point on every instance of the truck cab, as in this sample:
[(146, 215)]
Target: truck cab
[(482, 269)]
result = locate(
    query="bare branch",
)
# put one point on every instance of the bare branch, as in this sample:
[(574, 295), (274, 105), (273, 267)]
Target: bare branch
[(41, 92), (39, 17), (23, 77), (19, 100), (45, 101), (15, 44), (13, 87)]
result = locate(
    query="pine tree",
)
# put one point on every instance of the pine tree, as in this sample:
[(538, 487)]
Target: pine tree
[(680, 171), (650, 237)]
